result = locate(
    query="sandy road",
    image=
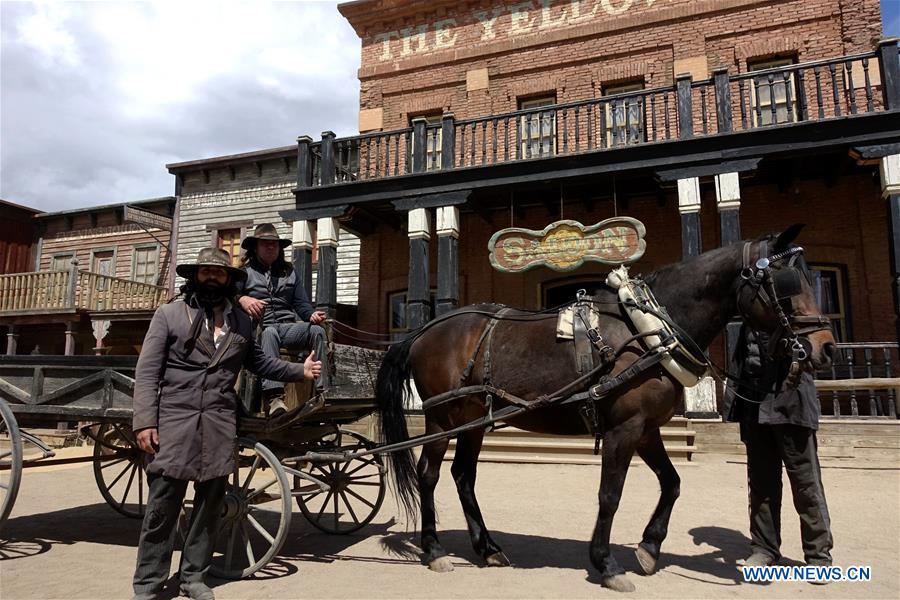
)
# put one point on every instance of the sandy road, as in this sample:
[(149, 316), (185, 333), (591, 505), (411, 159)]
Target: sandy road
[(64, 542)]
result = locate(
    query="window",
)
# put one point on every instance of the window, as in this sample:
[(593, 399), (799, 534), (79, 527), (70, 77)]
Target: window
[(61, 262), (230, 240), (537, 130), (828, 284), (397, 323), (433, 141), (624, 115), (145, 264), (773, 97)]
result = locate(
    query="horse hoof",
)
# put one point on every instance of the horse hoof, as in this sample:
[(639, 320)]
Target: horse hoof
[(441, 564), (497, 559), (648, 563), (618, 583)]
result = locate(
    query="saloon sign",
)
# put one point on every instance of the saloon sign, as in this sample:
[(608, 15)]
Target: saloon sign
[(566, 245), (507, 21)]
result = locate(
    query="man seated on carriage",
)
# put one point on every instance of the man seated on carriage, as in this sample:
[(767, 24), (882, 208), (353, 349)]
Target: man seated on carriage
[(275, 298)]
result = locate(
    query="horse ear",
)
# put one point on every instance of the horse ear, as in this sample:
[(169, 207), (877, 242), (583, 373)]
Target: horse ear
[(787, 236)]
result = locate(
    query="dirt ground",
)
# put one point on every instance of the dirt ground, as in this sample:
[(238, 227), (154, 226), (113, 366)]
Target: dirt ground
[(63, 541)]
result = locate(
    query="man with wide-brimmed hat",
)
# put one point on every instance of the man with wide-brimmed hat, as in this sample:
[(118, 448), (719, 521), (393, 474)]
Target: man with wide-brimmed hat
[(185, 415), (274, 296)]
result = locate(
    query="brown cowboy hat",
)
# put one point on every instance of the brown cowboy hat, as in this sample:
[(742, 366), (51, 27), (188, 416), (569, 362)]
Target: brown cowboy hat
[(264, 231), (211, 257)]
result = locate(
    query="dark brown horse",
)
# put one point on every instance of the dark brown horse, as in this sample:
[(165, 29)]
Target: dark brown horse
[(701, 295)]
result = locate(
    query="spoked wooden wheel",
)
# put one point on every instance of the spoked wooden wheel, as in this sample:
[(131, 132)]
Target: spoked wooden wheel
[(256, 513), (356, 487), (10, 461), (119, 466)]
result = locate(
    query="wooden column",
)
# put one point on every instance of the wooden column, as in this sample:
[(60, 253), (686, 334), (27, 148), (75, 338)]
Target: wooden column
[(304, 162), (723, 99), (71, 330), (448, 141), (448, 259), (326, 165), (72, 287), (12, 340), (327, 231), (728, 202), (890, 72), (685, 106), (689, 207), (418, 293), (890, 190), (419, 151), (302, 254)]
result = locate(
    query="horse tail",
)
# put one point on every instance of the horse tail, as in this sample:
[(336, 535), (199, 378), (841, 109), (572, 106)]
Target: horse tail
[(391, 387)]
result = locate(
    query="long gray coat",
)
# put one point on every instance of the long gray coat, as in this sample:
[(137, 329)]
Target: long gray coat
[(190, 397)]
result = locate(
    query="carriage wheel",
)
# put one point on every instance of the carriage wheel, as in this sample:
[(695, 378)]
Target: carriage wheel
[(10, 461), (256, 514), (356, 487), (119, 469)]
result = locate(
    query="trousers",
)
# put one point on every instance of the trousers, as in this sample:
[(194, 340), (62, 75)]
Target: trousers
[(157, 539), (295, 336), (768, 447)]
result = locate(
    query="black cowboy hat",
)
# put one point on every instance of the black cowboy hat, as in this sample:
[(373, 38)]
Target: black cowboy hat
[(264, 231), (211, 257)]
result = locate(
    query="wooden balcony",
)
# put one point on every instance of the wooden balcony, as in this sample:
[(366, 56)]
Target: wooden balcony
[(49, 292), (849, 100)]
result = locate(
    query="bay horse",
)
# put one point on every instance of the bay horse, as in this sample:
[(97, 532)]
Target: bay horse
[(700, 294)]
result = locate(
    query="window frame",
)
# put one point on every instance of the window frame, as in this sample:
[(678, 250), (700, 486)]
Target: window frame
[(61, 255), (394, 331), (614, 139), (764, 116), (525, 140), (155, 246), (840, 321), (433, 140)]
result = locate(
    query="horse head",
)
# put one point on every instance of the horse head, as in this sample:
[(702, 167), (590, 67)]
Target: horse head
[(775, 295)]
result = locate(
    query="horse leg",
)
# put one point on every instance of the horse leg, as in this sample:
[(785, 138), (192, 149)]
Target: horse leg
[(429, 471), (618, 448), (653, 453), (464, 469)]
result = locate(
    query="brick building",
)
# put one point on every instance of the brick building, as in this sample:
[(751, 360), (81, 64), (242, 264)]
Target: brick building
[(709, 120)]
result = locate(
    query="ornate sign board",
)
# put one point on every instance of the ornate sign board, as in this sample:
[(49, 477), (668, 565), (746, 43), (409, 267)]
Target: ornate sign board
[(147, 219), (566, 245)]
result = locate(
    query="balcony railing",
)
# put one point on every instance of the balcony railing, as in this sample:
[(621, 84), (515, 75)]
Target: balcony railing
[(812, 91), (862, 381), (59, 291)]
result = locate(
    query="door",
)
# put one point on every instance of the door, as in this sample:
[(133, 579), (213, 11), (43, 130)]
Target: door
[(102, 264)]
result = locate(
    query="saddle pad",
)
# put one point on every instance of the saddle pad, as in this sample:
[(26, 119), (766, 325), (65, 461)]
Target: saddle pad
[(565, 322)]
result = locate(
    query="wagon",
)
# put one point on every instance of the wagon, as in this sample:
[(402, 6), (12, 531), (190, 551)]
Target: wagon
[(280, 461)]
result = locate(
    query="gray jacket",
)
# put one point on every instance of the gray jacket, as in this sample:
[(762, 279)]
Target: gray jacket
[(287, 298), (761, 394), (189, 395)]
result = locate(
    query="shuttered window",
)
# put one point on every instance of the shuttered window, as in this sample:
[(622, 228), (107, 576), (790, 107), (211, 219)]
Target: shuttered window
[(145, 266)]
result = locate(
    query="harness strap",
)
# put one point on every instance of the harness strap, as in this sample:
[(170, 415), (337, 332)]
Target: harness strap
[(467, 372), (642, 364)]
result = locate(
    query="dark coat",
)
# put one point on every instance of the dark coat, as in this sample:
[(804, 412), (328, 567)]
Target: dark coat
[(286, 301), (190, 396), (762, 380)]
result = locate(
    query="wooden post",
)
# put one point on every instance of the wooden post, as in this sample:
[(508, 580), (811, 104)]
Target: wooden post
[(418, 293), (448, 142), (890, 190), (723, 99), (326, 172), (419, 140), (689, 207), (327, 231), (72, 288), (890, 72), (100, 328), (728, 201), (302, 254), (12, 341), (304, 162), (685, 106), (448, 259), (71, 330)]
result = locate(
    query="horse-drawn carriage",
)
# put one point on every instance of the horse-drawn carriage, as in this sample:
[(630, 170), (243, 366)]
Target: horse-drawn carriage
[(631, 350)]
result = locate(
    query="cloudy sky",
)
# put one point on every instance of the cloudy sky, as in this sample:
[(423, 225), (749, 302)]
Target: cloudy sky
[(96, 97)]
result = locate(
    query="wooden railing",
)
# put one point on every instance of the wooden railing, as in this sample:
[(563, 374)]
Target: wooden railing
[(55, 291), (864, 83), (862, 381)]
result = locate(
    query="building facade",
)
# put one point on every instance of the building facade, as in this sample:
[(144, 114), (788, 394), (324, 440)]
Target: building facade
[(18, 235)]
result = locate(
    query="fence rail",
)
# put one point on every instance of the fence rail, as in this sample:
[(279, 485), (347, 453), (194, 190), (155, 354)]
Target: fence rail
[(862, 381), (49, 291), (812, 91)]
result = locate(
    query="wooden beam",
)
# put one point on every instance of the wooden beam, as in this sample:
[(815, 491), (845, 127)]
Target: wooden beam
[(433, 200), (311, 214), (708, 170)]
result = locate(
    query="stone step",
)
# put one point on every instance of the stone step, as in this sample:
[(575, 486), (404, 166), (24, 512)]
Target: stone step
[(574, 459)]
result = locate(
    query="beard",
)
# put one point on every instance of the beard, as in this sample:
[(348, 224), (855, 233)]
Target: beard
[(210, 294)]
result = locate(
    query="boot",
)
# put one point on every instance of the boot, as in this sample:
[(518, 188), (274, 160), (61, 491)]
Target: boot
[(197, 590), (758, 559), (273, 402)]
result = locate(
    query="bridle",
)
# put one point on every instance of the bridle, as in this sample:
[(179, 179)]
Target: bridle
[(774, 287)]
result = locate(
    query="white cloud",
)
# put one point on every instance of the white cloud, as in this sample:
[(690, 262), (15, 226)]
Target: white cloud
[(45, 31)]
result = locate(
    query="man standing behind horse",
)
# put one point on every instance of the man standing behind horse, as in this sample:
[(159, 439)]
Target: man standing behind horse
[(185, 414), (274, 296), (778, 414)]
